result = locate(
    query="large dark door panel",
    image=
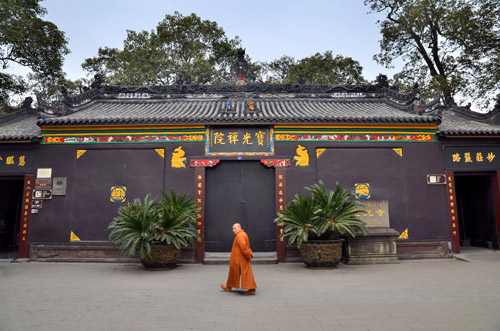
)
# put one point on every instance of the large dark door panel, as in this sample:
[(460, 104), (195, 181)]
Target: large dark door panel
[(240, 191)]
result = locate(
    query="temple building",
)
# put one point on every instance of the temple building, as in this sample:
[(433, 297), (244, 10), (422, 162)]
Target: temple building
[(243, 150)]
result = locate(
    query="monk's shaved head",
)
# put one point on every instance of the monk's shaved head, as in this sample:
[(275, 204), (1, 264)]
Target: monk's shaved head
[(236, 228)]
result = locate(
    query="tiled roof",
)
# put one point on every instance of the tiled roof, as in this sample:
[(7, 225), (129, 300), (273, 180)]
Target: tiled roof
[(19, 125), (457, 121), (213, 111)]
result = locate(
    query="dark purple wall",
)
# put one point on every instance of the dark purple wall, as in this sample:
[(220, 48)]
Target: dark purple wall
[(86, 208), (413, 204)]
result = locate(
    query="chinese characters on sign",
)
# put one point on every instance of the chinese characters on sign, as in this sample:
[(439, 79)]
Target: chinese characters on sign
[(453, 213), (16, 161), (241, 140), (376, 213), (473, 157)]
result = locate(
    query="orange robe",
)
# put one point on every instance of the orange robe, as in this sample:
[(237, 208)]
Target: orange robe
[(239, 264)]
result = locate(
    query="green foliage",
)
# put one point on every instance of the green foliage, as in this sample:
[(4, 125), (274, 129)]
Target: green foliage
[(299, 219), (321, 214), (338, 214), (451, 45), (316, 69), (326, 69), (277, 71), (171, 220), (177, 219), (29, 41), (198, 49)]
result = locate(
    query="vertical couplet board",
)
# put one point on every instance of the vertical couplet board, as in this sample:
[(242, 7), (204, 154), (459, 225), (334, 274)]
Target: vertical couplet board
[(280, 180), (280, 206), (453, 212), (24, 248), (200, 219), (199, 190)]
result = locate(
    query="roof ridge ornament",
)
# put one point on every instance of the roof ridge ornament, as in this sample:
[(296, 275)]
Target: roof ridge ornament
[(241, 70)]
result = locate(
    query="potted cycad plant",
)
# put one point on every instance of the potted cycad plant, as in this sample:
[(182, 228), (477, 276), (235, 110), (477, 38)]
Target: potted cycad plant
[(157, 229), (318, 221)]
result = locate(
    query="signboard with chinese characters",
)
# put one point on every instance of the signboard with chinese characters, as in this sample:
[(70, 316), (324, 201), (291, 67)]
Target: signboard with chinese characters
[(376, 213), (16, 161), (474, 157), (239, 140)]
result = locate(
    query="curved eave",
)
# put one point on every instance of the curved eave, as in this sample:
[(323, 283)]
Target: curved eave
[(236, 120), (20, 139), (471, 134)]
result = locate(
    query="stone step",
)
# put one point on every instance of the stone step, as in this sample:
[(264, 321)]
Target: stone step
[(223, 258)]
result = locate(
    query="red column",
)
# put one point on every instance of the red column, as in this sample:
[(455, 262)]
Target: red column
[(453, 212), (24, 248), (200, 220), (280, 206)]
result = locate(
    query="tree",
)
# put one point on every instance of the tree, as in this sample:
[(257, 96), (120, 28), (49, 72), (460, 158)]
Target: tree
[(277, 71), (29, 41), (452, 45), (316, 69), (198, 49)]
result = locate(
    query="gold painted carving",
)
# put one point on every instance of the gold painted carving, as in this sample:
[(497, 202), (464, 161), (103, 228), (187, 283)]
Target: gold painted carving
[(74, 237), (178, 158), (160, 152), (398, 151), (80, 152), (319, 151), (404, 235), (302, 157)]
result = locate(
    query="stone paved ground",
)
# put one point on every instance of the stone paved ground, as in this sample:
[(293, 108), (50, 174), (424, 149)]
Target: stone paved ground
[(413, 295)]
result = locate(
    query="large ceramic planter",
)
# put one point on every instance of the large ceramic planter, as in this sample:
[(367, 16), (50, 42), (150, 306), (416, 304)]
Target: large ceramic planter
[(321, 253), (163, 257)]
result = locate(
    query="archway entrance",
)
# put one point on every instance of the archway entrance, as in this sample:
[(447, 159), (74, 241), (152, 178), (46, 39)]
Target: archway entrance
[(11, 195), (476, 212), (244, 192)]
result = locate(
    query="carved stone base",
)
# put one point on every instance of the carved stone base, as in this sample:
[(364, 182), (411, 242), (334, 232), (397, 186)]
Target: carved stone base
[(92, 252), (378, 246), (321, 253)]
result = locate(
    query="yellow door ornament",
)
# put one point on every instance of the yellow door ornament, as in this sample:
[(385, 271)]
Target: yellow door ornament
[(178, 158), (302, 157)]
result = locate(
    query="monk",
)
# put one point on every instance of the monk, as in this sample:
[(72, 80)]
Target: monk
[(239, 264)]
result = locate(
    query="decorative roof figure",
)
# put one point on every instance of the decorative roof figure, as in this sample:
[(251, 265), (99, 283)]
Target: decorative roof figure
[(241, 73)]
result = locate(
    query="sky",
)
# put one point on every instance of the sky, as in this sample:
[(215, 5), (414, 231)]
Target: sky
[(268, 29)]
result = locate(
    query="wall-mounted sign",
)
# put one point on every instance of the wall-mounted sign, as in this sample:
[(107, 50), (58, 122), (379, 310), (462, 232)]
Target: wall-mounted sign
[(376, 214), (16, 161), (44, 173), (59, 186), (436, 179), (362, 190), (45, 194), (36, 203), (473, 157), (239, 140), (118, 194), (43, 184)]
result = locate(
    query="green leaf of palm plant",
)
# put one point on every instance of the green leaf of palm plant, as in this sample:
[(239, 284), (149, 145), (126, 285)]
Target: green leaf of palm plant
[(298, 218), (337, 213), (134, 226), (177, 219)]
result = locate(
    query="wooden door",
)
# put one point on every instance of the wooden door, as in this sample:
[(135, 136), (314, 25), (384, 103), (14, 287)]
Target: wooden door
[(240, 192)]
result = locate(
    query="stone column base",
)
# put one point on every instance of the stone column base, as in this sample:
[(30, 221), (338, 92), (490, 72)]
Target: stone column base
[(378, 246)]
